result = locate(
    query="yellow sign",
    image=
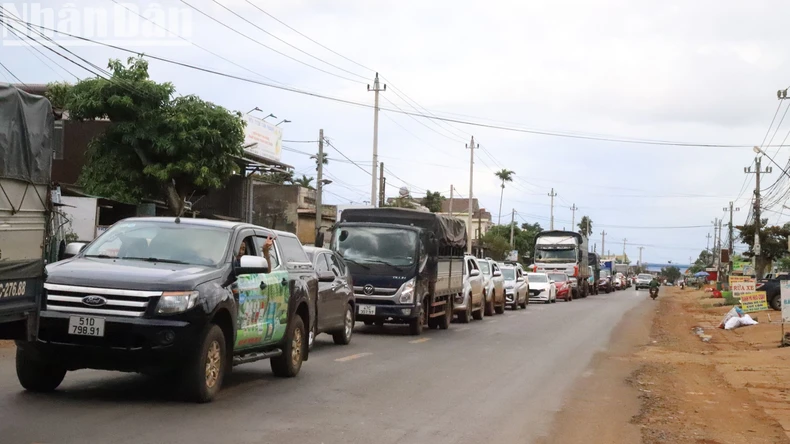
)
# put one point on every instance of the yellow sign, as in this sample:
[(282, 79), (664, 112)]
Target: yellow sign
[(752, 302)]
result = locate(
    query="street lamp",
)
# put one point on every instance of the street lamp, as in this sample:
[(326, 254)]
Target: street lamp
[(759, 150), (254, 109), (283, 121)]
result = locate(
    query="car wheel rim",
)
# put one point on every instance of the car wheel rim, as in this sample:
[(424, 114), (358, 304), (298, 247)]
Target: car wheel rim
[(296, 348), (213, 363), (349, 323)]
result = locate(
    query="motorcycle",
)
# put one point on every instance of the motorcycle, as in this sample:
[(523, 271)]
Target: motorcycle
[(654, 293)]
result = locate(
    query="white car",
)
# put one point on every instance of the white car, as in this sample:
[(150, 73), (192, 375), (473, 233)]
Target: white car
[(516, 286), (471, 304), (541, 288)]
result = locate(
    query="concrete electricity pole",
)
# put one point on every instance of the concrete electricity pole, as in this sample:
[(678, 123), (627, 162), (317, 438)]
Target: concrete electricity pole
[(732, 238), (757, 207), (603, 242), (624, 241), (640, 255), (382, 183), (573, 216), (552, 195), (451, 200), (707, 243), (319, 188), (512, 227), (376, 89), (471, 148)]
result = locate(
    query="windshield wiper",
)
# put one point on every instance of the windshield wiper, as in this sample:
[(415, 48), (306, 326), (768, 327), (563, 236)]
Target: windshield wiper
[(156, 259), (100, 256), (379, 261), (357, 263)]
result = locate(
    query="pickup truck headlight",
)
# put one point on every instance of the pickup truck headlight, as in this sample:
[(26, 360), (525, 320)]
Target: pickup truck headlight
[(173, 302), (406, 292)]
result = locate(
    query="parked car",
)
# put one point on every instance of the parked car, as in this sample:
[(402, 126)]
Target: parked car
[(772, 290), (542, 288), (493, 286), (471, 304), (562, 286), (334, 311), (574, 285), (189, 297), (643, 281), (619, 281), (516, 286)]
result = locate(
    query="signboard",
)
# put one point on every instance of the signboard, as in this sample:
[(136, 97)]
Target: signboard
[(262, 138), (785, 296), (751, 302), (741, 285), (512, 255)]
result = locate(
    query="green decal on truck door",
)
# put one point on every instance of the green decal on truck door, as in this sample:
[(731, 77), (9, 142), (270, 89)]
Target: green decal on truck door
[(260, 310)]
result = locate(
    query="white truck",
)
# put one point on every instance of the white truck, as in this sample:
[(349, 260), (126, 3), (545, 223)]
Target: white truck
[(563, 252)]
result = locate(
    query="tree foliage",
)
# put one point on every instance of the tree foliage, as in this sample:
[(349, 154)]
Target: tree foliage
[(505, 175), (496, 245), (585, 226), (704, 261), (304, 181), (773, 243), (672, 273), (157, 146), (433, 201), (523, 238)]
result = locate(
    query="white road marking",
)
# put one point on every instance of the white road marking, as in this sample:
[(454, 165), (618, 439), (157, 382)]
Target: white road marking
[(462, 329), (352, 357), (419, 341)]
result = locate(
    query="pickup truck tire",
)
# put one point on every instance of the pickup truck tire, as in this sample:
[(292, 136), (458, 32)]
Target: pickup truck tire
[(489, 303), (480, 314), (776, 302), (205, 369), (444, 321), (343, 337), (288, 364), (500, 309), (466, 316), (526, 301), (35, 374)]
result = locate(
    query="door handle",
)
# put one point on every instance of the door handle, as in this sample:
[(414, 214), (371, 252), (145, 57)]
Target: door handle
[(284, 282)]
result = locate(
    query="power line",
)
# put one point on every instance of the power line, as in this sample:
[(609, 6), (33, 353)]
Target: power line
[(30, 48), (401, 111), (208, 16), (12, 74)]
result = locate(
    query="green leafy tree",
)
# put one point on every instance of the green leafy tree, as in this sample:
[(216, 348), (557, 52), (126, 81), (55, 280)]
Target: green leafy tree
[(671, 273), (704, 261), (401, 202), (277, 177), (585, 226), (433, 201), (58, 94), (504, 175), (773, 243), (304, 182), (523, 237), (158, 146), (495, 245)]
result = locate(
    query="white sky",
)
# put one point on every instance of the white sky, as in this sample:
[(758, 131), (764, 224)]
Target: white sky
[(703, 72)]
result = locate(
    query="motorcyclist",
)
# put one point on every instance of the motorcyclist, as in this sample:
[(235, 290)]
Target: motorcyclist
[(654, 285)]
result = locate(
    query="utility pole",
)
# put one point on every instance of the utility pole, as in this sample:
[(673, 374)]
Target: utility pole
[(382, 182), (757, 207), (512, 227), (471, 148), (451, 200), (732, 238), (573, 216), (624, 241), (319, 187), (552, 195), (640, 255), (376, 89), (707, 243), (715, 240), (603, 242), (718, 262)]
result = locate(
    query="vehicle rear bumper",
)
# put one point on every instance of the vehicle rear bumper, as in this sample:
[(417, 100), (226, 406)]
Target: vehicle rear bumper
[(129, 344)]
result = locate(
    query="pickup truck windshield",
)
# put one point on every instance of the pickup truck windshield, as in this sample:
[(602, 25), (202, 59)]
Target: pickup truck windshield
[(484, 267), (554, 255), (509, 274), (166, 242), (377, 245)]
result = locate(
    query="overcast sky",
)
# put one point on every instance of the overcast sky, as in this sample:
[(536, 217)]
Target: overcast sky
[(704, 72)]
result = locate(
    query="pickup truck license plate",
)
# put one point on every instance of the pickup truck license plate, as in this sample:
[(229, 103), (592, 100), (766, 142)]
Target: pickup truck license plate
[(367, 309), (86, 326)]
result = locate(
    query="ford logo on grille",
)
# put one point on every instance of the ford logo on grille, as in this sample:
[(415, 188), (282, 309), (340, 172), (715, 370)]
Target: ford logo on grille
[(368, 289), (94, 301)]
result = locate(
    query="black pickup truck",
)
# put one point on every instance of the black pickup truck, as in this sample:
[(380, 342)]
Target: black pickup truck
[(771, 287), (188, 298)]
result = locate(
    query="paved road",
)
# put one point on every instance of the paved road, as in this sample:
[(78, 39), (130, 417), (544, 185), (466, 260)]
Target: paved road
[(499, 380)]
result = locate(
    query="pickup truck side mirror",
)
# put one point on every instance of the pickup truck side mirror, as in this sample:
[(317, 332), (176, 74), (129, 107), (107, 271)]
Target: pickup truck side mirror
[(474, 273), (497, 273), (252, 265), (326, 276), (73, 249), (521, 279)]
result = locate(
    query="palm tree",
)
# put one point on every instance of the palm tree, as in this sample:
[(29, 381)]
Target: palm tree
[(506, 176), (304, 182), (585, 226)]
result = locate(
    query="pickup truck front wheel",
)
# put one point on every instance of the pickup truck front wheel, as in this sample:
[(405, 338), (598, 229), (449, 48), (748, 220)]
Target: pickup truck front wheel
[(35, 374), (288, 364), (204, 372)]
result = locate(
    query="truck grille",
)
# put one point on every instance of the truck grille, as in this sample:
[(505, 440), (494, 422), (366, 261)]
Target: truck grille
[(376, 291), (72, 299)]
